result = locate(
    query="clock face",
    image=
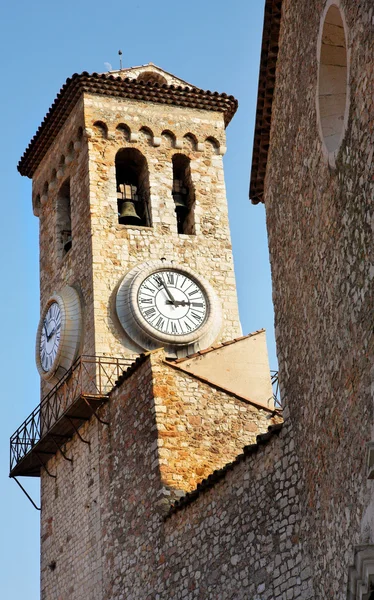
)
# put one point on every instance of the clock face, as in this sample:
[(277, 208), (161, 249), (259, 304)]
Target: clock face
[(172, 303), (165, 304), (50, 336)]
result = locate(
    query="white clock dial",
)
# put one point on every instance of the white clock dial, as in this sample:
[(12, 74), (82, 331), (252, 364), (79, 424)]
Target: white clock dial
[(166, 304), (172, 303), (58, 335), (50, 336)]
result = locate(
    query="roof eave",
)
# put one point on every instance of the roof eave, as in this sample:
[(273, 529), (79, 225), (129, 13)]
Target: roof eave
[(266, 87)]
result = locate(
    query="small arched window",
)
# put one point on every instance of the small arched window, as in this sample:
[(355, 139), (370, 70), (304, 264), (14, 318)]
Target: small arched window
[(64, 236), (132, 180), (183, 194)]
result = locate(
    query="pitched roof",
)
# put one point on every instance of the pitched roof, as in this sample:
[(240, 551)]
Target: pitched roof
[(220, 474), (108, 85), (266, 86), (215, 347)]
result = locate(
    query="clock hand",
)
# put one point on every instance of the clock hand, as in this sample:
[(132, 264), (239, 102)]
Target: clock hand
[(179, 302), (50, 335), (173, 301), (45, 329)]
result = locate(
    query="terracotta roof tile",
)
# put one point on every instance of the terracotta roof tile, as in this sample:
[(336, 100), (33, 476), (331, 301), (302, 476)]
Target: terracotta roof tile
[(109, 85), (220, 474)]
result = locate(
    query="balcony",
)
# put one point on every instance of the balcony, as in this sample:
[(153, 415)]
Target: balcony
[(73, 401)]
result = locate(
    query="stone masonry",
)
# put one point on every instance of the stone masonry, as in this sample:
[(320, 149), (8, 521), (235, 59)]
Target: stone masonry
[(320, 222), (103, 529)]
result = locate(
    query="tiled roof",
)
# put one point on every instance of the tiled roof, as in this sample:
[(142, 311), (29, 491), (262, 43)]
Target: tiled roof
[(215, 347), (139, 360), (109, 85), (220, 474), (266, 86)]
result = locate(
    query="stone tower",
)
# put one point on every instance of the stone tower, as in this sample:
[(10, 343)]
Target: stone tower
[(147, 382), (313, 168)]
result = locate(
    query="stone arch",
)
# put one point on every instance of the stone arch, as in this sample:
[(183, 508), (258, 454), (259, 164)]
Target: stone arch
[(183, 194), (78, 141), (63, 219), (61, 167), (36, 205), (333, 78), (70, 153), (146, 135), (212, 145), (190, 141), (152, 78), (123, 132), (133, 189), (44, 196), (168, 139), (101, 129)]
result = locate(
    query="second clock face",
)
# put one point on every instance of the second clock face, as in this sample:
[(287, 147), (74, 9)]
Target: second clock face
[(172, 303), (50, 336)]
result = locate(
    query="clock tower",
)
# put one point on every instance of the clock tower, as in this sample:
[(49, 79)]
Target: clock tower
[(147, 382)]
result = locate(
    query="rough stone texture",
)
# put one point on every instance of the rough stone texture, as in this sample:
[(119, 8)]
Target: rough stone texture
[(102, 250), (102, 518), (320, 223), (243, 538)]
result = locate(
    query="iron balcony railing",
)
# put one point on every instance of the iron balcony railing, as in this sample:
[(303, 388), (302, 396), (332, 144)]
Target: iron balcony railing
[(276, 390), (90, 378)]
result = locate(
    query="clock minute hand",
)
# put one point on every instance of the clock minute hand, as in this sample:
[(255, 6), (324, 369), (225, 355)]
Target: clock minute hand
[(50, 335), (173, 301)]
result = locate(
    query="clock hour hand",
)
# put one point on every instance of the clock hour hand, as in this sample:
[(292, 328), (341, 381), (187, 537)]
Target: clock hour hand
[(179, 302)]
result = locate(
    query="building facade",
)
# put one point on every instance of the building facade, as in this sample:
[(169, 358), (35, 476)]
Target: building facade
[(148, 385), (147, 492), (313, 168)]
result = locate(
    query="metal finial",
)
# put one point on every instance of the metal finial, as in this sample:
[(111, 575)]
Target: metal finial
[(120, 59)]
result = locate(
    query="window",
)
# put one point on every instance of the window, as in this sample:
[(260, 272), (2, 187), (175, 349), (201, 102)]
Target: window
[(333, 79), (132, 180), (64, 236), (183, 194)]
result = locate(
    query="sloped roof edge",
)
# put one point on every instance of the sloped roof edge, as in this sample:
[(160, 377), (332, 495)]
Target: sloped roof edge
[(216, 347), (151, 65), (220, 474), (266, 87)]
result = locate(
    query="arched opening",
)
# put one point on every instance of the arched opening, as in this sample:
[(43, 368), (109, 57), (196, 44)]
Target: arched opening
[(151, 78), (333, 79), (64, 235), (123, 132), (101, 129), (132, 180), (183, 194)]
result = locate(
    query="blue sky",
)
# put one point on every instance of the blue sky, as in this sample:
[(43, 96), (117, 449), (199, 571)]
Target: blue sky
[(214, 45)]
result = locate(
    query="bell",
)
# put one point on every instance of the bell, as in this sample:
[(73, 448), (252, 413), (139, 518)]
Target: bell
[(128, 214), (180, 201)]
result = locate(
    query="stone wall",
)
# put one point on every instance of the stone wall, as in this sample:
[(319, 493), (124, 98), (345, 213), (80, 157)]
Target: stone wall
[(242, 537), (158, 134), (320, 224), (103, 532)]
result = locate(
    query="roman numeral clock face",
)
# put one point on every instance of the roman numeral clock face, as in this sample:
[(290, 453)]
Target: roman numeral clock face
[(172, 303), (165, 304), (50, 336), (58, 335)]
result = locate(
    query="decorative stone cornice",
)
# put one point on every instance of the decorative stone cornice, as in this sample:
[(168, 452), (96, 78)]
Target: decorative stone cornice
[(108, 85)]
